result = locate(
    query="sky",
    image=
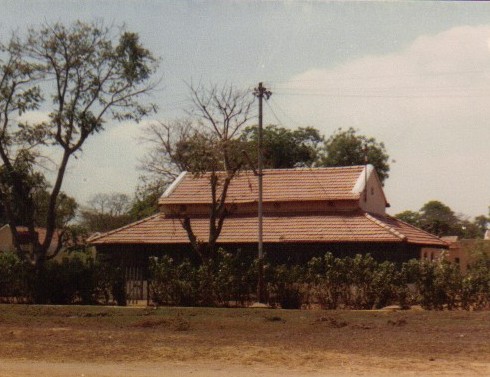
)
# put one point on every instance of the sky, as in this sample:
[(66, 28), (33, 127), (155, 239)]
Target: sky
[(414, 75)]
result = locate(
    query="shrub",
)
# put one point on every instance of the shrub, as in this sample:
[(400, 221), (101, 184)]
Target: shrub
[(71, 281), (387, 286), (13, 278), (287, 286), (326, 277), (476, 284), (172, 284), (358, 282), (235, 278), (217, 282), (77, 279), (438, 284)]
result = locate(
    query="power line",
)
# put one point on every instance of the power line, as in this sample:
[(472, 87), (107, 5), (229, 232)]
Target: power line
[(339, 95), (297, 124), (337, 86), (342, 77), (274, 113)]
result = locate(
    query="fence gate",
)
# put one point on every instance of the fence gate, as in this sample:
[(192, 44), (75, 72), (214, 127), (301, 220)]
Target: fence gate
[(136, 285)]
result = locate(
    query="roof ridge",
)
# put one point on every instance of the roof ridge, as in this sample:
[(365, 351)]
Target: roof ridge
[(385, 226), (311, 168), (171, 188), (127, 226), (417, 228)]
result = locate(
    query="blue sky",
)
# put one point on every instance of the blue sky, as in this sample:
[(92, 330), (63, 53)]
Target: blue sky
[(415, 75)]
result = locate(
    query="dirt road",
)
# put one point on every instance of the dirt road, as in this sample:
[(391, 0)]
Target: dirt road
[(178, 342), (23, 368)]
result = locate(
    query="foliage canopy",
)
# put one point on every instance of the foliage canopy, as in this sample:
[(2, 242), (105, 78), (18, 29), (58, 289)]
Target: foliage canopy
[(84, 74), (346, 148)]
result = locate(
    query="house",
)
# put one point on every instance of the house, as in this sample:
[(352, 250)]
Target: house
[(7, 244), (307, 212), (460, 251)]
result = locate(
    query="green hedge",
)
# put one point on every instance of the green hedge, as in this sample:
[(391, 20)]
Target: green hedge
[(225, 280), (328, 282), (75, 280)]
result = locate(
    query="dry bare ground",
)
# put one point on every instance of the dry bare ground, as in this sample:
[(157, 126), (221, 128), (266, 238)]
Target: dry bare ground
[(100, 341)]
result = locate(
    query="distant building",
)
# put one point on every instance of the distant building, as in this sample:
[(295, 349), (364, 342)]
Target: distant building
[(462, 252), (7, 244)]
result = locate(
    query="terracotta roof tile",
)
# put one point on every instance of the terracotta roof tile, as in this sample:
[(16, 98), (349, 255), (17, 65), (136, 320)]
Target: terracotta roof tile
[(413, 234), (299, 185), (41, 234), (328, 228), (278, 184)]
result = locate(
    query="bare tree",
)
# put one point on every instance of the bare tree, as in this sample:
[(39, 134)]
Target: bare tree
[(106, 211), (164, 160), (207, 145), (113, 204)]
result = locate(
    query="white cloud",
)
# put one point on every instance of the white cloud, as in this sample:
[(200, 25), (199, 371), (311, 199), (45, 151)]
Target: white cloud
[(33, 117), (429, 103), (108, 163)]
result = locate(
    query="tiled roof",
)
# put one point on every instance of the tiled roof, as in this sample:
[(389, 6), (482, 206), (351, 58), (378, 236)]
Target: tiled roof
[(413, 234), (293, 228), (278, 185), (41, 233)]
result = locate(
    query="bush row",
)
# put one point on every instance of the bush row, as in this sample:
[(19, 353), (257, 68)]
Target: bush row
[(328, 282), (75, 280)]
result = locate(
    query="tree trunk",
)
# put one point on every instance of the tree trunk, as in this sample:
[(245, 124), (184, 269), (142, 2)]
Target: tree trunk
[(40, 289)]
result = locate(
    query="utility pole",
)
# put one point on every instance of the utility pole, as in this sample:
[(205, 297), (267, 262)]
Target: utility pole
[(260, 92)]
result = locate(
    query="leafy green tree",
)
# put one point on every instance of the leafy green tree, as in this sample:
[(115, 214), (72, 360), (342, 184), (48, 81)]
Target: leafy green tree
[(346, 148), (18, 94), (180, 145), (482, 223), (284, 148), (145, 201), (410, 217), (437, 218), (471, 229), (20, 189), (87, 78), (66, 208)]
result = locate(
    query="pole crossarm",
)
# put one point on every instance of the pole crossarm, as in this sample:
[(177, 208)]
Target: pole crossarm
[(261, 92)]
